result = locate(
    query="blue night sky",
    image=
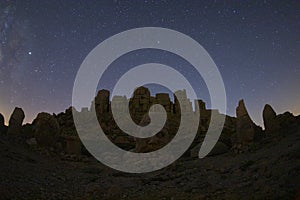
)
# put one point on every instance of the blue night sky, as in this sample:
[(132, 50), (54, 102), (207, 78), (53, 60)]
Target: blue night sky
[(255, 45)]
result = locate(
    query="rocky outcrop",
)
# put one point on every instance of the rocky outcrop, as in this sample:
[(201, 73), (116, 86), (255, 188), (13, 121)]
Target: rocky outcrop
[(278, 125), (139, 104), (238, 132), (270, 120), (66, 122), (246, 130), (185, 106), (287, 122), (156, 142), (1, 120), (27, 131), (46, 130), (2, 126), (15, 122), (102, 102)]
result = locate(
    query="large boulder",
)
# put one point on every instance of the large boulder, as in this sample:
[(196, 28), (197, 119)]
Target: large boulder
[(46, 130), (246, 130), (271, 123), (15, 122)]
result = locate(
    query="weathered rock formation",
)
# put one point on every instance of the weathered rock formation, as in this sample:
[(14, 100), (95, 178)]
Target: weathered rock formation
[(164, 100), (156, 142), (185, 106), (238, 132), (278, 125), (287, 122), (1, 120), (246, 130), (139, 104), (46, 130), (2, 126), (15, 122), (102, 102), (271, 123), (27, 131), (66, 122)]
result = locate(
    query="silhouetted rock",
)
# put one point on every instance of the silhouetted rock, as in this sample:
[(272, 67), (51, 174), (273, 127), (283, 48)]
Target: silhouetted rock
[(66, 122), (46, 130), (246, 130), (15, 122), (27, 131), (279, 125), (102, 102), (2, 126), (270, 120), (1, 120), (152, 143), (185, 106), (287, 122), (139, 104)]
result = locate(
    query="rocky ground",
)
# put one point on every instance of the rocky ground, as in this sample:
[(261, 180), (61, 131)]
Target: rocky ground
[(269, 170), (46, 160)]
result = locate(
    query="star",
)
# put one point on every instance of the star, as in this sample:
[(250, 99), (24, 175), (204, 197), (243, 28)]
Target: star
[(29, 53)]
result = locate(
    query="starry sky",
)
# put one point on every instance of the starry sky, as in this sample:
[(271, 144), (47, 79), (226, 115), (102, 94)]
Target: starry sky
[(255, 45)]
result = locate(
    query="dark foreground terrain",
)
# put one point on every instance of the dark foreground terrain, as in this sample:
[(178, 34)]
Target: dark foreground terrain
[(269, 170), (46, 159)]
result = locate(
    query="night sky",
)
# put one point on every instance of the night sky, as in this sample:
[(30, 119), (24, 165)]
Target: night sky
[(255, 45)]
